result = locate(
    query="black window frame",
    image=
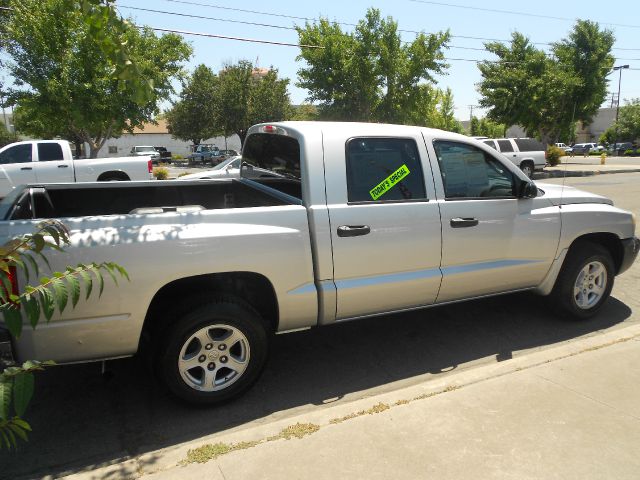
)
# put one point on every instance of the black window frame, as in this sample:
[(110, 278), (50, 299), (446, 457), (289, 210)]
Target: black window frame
[(44, 145), (508, 143), (514, 177), (376, 202), (13, 147)]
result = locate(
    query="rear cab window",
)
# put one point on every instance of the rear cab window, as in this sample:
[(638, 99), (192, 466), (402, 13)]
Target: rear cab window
[(505, 146), (529, 145), (273, 160), (383, 170)]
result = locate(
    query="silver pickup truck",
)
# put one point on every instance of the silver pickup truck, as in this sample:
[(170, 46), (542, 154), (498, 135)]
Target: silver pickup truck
[(327, 222)]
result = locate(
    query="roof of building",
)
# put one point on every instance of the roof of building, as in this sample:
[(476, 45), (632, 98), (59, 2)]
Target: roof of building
[(160, 128)]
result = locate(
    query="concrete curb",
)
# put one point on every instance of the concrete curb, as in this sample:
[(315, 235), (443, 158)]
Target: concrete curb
[(170, 457), (581, 173)]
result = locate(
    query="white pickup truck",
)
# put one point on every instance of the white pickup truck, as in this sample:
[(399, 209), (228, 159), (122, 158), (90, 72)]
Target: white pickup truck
[(51, 161), (345, 221), (527, 153)]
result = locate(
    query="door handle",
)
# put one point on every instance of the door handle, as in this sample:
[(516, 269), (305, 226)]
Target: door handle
[(463, 222), (353, 230), (63, 166), (26, 168)]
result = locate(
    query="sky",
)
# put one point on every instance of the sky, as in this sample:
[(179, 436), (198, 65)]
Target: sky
[(542, 21)]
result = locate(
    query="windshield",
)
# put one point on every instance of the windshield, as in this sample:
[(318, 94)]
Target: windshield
[(145, 149), (226, 162)]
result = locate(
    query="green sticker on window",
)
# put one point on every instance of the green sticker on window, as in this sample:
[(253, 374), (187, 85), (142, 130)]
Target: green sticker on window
[(388, 183)]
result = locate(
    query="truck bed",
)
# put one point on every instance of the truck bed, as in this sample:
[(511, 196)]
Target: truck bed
[(119, 198)]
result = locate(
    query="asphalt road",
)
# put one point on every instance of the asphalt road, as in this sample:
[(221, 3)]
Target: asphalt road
[(82, 419)]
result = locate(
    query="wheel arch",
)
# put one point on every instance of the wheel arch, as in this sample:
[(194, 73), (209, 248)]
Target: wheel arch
[(253, 288), (608, 240), (113, 174)]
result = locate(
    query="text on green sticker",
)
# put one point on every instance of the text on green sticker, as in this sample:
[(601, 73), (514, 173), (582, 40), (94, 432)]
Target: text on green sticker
[(388, 183)]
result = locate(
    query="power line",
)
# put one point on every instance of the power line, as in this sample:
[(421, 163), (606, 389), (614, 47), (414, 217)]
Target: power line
[(282, 27), (227, 37), (312, 19), (244, 22), (512, 12)]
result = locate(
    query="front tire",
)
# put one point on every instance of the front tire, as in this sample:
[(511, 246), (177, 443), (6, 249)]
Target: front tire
[(585, 281), (213, 352)]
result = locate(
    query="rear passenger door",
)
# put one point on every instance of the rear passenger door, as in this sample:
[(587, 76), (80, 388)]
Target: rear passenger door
[(51, 166), (385, 224)]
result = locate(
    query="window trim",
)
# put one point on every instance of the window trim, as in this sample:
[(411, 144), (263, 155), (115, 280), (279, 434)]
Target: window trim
[(458, 199), (378, 202)]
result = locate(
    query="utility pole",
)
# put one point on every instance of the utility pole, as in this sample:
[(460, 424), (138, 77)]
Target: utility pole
[(620, 68), (471, 107)]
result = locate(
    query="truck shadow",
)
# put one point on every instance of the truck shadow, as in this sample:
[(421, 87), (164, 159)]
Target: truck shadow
[(82, 420)]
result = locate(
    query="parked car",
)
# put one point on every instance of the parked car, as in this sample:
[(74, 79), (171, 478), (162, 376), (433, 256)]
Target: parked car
[(563, 146), (620, 148), (165, 155), (49, 161), (581, 148), (230, 168), (203, 154), (145, 151), (527, 153), (356, 220)]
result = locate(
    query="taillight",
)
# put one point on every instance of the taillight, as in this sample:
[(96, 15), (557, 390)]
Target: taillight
[(12, 276), (150, 166)]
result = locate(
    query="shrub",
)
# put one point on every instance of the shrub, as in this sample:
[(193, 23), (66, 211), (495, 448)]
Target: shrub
[(177, 157), (183, 174), (628, 152), (160, 173), (554, 154)]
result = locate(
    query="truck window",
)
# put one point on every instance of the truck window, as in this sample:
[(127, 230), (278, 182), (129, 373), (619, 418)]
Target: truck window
[(273, 160), (529, 145), (490, 143), (468, 172), (50, 152), (16, 154), (384, 169), (505, 146)]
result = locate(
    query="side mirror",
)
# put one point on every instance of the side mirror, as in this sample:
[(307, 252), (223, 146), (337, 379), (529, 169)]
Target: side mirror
[(527, 190)]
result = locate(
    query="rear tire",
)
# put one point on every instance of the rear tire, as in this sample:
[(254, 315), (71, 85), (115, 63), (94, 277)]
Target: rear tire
[(527, 168), (585, 281), (213, 352)]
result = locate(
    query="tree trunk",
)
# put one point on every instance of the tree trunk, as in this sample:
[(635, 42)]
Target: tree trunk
[(242, 133)]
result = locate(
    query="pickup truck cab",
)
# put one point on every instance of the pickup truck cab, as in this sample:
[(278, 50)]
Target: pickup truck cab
[(51, 161), (353, 220), (526, 153)]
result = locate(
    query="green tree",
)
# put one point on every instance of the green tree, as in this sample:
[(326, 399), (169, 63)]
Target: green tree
[(485, 127), (369, 74), (547, 94), (628, 125), (304, 112), (6, 137), (193, 117), (246, 96), (74, 87), (58, 291)]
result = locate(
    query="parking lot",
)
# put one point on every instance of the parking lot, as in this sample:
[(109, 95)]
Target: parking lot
[(125, 413)]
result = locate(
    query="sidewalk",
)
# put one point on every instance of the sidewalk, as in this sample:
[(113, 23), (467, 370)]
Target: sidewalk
[(568, 412), (574, 167)]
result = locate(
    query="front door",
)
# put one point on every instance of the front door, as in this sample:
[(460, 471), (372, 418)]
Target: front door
[(385, 224), (492, 241), (17, 167)]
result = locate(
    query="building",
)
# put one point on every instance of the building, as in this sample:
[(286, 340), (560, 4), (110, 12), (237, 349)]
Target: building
[(584, 133), (159, 136)]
